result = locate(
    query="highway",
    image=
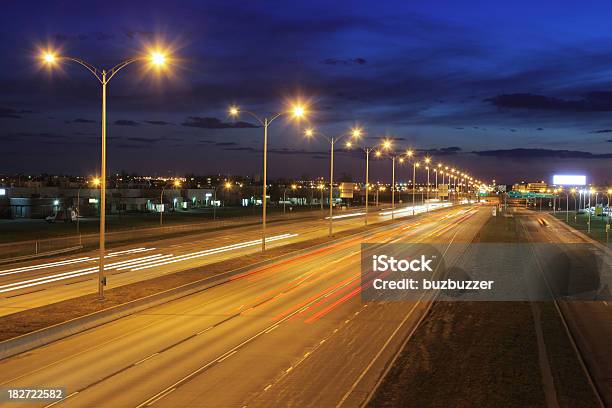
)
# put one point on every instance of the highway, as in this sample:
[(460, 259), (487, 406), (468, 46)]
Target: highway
[(292, 333), (36, 283), (590, 322)]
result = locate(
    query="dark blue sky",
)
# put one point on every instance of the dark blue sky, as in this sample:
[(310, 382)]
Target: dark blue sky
[(511, 90)]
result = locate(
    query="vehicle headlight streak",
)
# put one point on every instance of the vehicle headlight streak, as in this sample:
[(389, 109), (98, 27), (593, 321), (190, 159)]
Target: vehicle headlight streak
[(137, 264)]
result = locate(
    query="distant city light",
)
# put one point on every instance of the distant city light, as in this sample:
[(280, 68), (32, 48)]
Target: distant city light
[(2, 191), (569, 180)]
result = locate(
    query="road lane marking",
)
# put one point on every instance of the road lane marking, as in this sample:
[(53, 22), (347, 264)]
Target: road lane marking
[(227, 356), (145, 359)]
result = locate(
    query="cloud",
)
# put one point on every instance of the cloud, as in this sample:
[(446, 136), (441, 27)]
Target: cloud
[(344, 61), (157, 122), (214, 123), (144, 139), (591, 102), (602, 131), (81, 120), (541, 153), (443, 151), (226, 144), (6, 112), (123, 122)]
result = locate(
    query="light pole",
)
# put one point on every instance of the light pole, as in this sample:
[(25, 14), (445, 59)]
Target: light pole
[(367, 151), (176, 183), (156, 59), (321, 188), (387, 145), (297, 111), (293, 187), (427, 161), (355, 133), (415, 164), (227, 186), (608, 216)]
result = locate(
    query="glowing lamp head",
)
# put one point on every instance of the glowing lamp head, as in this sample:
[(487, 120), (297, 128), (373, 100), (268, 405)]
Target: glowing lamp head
[(95, 181), (309, 133), (417, 164), (401, 160), (158, 59), (293, 187), (228, 185), (356, 133), (387, 144), (427, 160), (348, 144), (378, 153), (49, 58), (234, 111), (409, 153), (610, 191), (298, 111), (177, 183), (439, 164)]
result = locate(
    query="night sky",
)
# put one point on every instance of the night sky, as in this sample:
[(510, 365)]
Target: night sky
[(509, 90)]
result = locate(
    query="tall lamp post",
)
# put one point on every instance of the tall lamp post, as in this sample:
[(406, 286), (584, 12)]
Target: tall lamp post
[(293, 187), (367, 151), (415, 165), (156, 59), (310, 133), (427, 161), (297, 111), (387, 145), (176, 183), (227, 186)]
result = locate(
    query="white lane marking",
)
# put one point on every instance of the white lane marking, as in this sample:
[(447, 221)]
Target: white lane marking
[(145, 359), (227, 356)]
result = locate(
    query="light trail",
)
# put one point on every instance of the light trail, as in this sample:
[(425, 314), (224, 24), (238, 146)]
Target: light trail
[(212, 251)]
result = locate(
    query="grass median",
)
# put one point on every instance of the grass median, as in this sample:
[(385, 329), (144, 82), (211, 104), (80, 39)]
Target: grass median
[(467, 354)]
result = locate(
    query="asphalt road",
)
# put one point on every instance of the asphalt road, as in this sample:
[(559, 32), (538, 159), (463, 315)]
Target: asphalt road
[(293, 333), (36, 283), (590, 322)]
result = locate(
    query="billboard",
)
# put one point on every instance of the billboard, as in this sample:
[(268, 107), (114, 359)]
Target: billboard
[(569, 180)]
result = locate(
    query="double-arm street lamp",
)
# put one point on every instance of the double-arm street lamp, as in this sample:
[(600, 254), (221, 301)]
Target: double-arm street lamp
[(297, 111), (156, 59), (387, 145), (310, 133), (367, 151)]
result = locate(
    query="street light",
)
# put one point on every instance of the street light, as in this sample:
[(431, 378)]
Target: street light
[(427, 161), (310, 133), (157, 59), (175, 183), (297, 111), (293, 187), (367, 150), (387, 145)]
